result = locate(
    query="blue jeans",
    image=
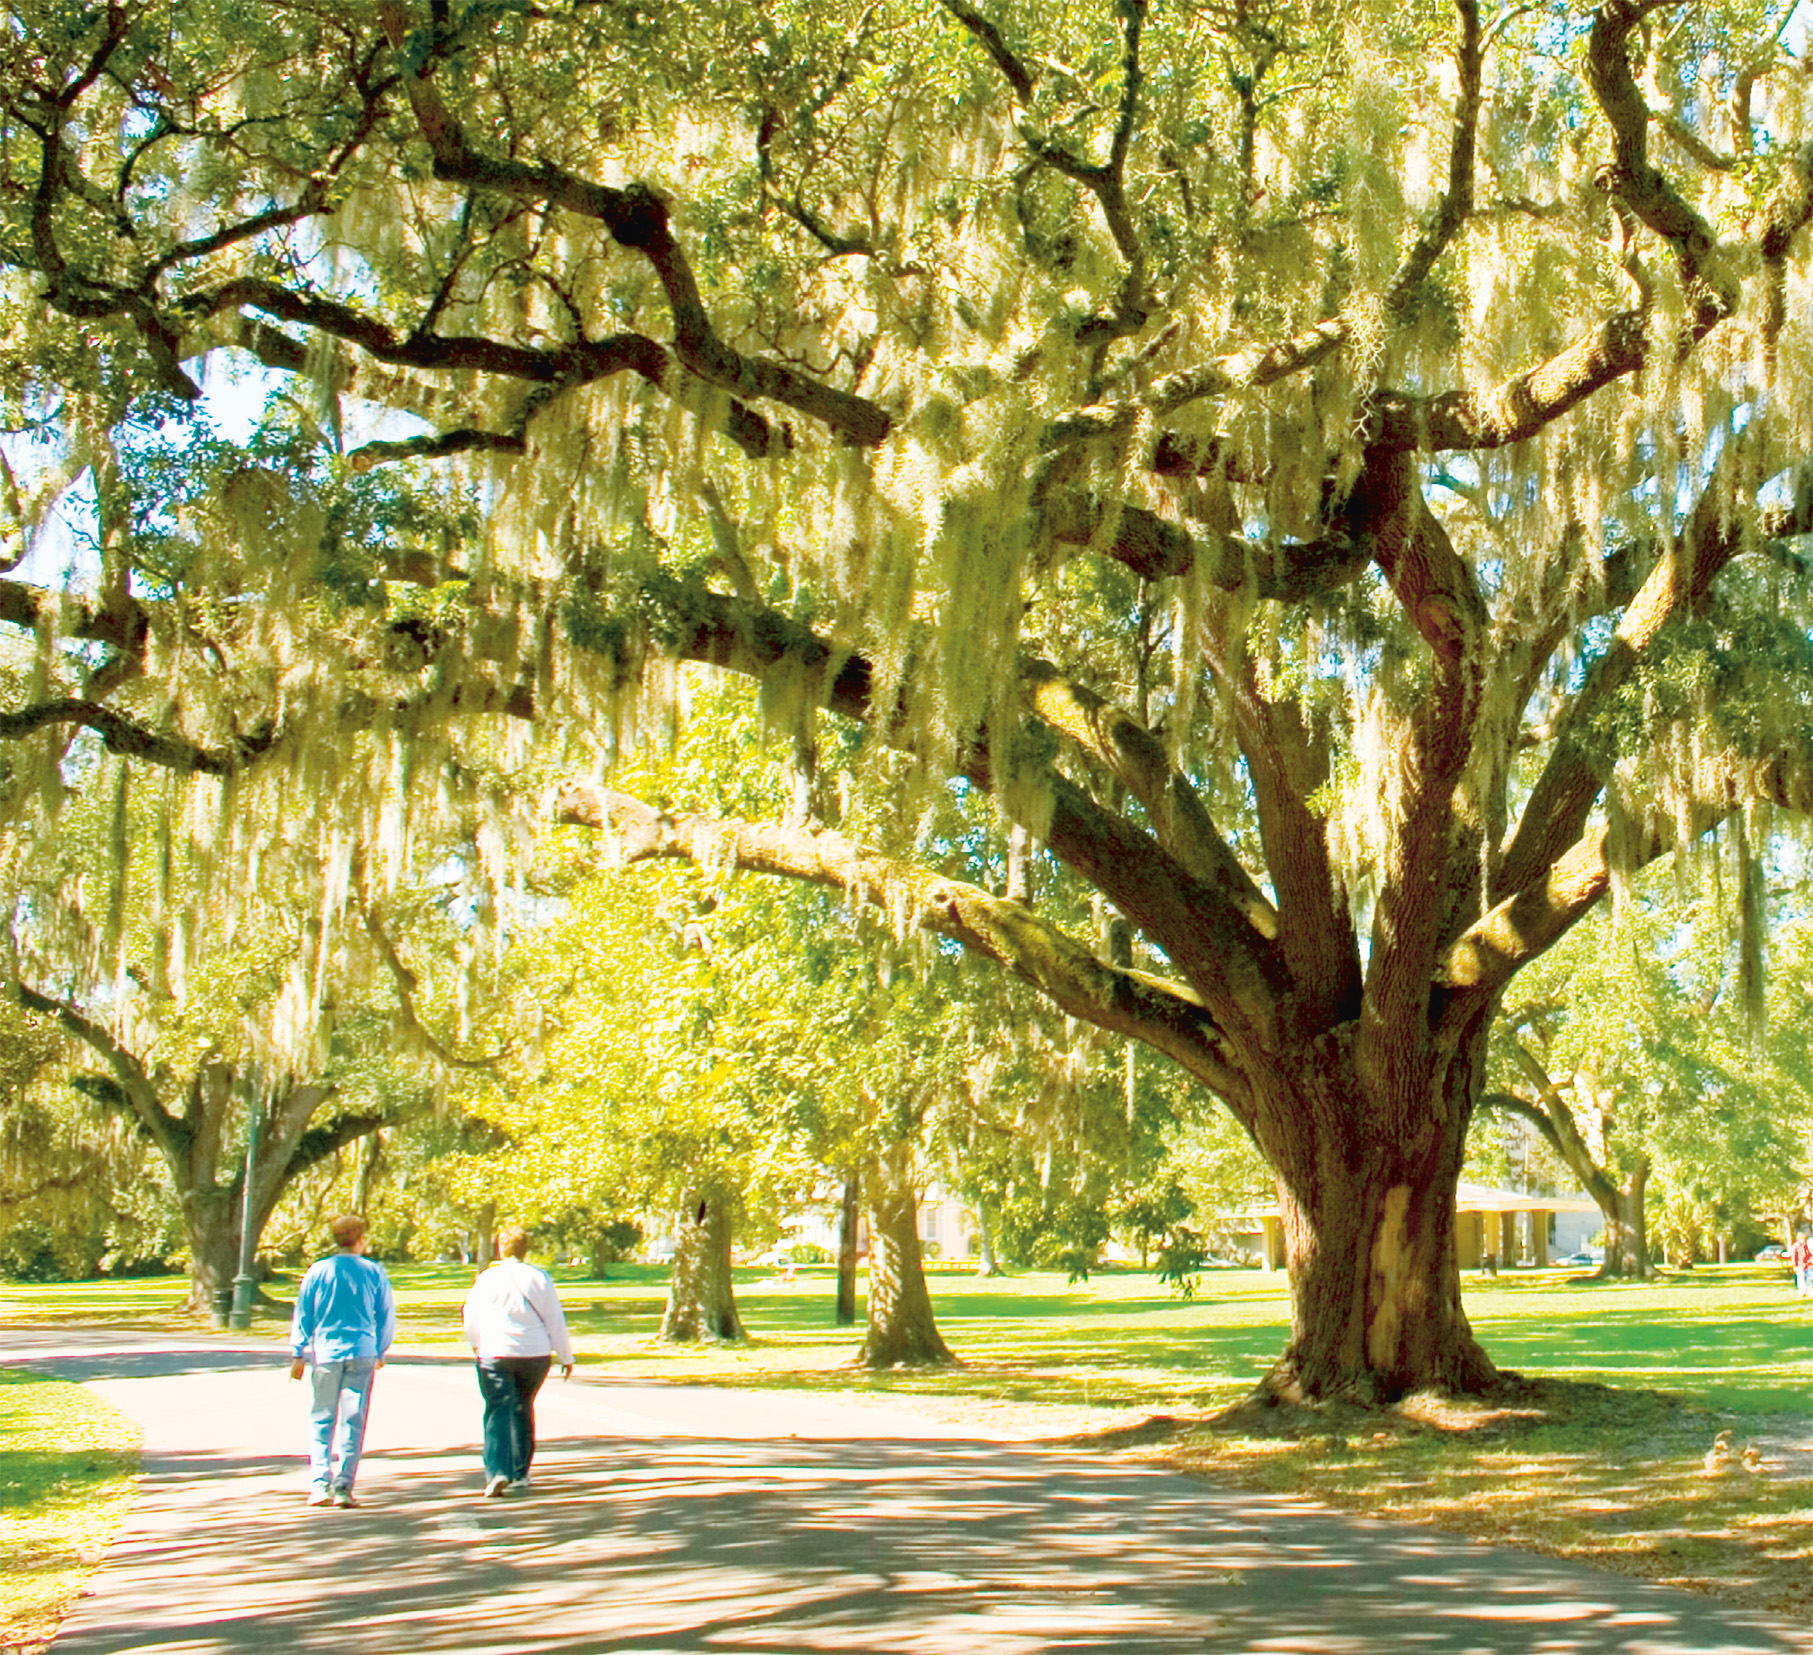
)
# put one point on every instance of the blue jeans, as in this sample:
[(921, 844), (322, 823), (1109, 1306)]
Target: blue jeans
[(336, 1417), (508, 1384)]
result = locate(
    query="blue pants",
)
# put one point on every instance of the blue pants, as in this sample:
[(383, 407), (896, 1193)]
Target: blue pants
[(508, 1384), (342, 1392)]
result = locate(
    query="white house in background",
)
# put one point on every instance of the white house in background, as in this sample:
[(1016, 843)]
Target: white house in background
[(1571, 1232), (1505, 1226), (946, 1224)]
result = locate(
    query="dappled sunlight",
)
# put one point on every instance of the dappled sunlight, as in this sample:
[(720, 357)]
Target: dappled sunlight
[(797, 1546)]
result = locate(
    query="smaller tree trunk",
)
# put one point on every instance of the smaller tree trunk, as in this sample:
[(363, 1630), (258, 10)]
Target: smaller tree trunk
[(701, 1298), (988, 1264), (846, 1248), (369, 1162), (484, 1235), (902, 1331)]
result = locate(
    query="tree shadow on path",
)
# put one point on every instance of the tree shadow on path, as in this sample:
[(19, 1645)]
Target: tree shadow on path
[(638, 1544)]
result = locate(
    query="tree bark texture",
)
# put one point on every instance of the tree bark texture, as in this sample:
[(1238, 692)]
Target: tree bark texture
[(209, 1176), (701, 1299), (847, 1223), (1369, 1221), (211, 1220), (902, 1331)]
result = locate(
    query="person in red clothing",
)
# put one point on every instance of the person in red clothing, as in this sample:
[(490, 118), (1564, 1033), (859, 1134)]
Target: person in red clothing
[(516, 1328), (1800, 1255)]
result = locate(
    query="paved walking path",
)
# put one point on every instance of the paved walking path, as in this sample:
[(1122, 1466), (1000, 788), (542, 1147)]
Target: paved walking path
[(682, 1518)]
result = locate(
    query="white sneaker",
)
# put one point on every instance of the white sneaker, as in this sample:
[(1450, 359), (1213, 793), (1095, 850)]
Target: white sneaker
[(519, 1485), (320, 1497), (497, 1488)]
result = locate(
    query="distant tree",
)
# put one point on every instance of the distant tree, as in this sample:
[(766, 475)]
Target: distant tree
[(189, 1005), (1638, 1063)]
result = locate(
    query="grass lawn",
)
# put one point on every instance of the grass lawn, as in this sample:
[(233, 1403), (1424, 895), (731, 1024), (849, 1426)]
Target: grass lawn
[(1601, 1455), (66, 1468)]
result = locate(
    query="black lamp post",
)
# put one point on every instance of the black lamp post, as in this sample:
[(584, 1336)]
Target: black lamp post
[(243, 1284)]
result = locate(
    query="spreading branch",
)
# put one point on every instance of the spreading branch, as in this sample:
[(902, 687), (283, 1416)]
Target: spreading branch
[(1168, 1016), (135, 1085), (1677, 585), (637, 218), (407, 984), (122, 735), (1456, 204), (1013, 71)]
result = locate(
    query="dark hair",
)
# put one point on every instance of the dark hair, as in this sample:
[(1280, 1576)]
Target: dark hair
[(347, 1230), (512, 1242)]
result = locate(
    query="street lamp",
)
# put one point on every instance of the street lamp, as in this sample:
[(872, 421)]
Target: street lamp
[(243, 1284)]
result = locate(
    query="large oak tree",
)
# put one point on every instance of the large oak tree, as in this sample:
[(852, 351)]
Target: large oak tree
[(1331, 471)]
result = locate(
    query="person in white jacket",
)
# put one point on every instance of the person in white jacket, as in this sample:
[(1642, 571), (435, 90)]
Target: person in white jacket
[(516, 1328)]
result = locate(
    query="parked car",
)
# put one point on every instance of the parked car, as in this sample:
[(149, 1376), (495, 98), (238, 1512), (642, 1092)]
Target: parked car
[(1579, 1261), (1774, 1253)]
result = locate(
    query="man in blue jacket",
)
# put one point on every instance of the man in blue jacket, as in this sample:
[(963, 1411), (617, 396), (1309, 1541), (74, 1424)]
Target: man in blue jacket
[(345, 1320)]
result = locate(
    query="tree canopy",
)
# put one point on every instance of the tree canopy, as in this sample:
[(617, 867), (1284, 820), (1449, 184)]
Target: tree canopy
[(1332, 473)]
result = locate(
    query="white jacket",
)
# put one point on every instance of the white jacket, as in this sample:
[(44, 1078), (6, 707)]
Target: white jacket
[(513, 1310)]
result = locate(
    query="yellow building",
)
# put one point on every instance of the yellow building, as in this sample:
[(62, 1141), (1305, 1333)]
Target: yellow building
[(1504, 1226)]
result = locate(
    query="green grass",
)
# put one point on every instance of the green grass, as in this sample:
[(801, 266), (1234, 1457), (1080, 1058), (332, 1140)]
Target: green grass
[(1732, 1337), (66, 1466), (1729, 1337), (1118, 1340), (139, 1302)]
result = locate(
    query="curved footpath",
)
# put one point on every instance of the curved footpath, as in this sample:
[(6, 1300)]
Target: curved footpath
[(680, 1518)]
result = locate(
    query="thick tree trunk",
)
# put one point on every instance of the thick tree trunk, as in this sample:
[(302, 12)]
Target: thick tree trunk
[(1626, 1225), (701, 1299), (211, 1227), (846, 1248), (902, 1331), (211, 1220), (1370, 1244)]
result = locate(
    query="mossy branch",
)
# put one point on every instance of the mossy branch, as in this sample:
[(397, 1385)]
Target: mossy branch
[(135, 1087), (637, 218)]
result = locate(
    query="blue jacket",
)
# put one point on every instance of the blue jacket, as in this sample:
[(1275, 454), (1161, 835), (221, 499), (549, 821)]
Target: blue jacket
[(343, 1309)]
